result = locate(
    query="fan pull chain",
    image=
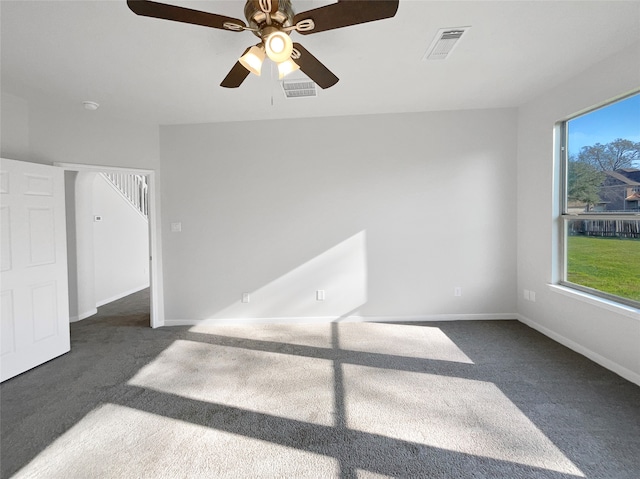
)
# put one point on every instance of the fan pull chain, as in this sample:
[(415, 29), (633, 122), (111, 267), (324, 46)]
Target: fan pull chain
[(272, 79)]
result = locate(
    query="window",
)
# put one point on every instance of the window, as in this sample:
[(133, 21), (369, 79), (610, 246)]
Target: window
[(601, 201)]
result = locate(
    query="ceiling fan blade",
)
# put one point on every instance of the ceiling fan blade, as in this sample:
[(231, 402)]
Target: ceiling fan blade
[(237, 75), (148, 8), (314, 69), (346, 13)]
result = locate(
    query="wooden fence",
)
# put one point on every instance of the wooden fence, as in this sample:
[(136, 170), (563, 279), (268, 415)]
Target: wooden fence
[(605, 228)]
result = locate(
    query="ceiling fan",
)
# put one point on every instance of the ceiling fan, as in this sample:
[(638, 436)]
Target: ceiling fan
[(273, 21)]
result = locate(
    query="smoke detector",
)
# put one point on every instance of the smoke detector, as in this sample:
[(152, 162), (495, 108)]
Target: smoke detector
[(299, 88), (90, 105), (444, 42)]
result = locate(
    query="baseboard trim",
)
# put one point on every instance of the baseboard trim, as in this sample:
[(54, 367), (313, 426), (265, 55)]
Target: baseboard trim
[(578, 348), (121, 295), (434, 317), (343, 319), (85, 315)]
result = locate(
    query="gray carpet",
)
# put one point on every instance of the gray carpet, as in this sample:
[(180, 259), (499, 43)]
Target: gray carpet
[(485, 399)]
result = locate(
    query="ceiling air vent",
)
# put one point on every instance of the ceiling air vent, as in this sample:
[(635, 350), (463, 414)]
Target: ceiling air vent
[(299, 88), (444, 42)]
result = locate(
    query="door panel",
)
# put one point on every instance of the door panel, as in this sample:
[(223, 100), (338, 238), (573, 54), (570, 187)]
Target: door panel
[(43, 298), (5, 240), (34, 291), (41, 236), (39, 185), (8, 337)]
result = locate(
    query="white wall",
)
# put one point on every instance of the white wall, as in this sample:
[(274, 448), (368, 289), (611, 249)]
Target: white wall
[(608, 336), (55, 132), (121, 245), (84, 242), (386, 213), (14, 126), (66, 133), (72, 262)]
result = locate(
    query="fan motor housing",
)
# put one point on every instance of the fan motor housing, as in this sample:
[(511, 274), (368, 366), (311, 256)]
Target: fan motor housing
[(257, 19)]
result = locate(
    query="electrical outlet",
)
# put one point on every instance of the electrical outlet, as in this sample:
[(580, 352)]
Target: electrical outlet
[(246, 297), (457, 291)]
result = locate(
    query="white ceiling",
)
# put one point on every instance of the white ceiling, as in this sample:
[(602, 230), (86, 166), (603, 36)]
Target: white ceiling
[(164, 72)]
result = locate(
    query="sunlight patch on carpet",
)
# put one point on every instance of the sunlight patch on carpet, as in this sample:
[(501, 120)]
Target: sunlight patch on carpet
[(282, 385), (401, 340), (312, 335), (461, 415), (363, 474), (116, 441), (411, 341)]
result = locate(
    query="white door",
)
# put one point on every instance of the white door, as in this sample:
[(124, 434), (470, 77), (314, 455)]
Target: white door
[(34, 304)]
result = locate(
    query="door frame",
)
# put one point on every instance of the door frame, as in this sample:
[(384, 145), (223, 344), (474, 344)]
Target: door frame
[(155, 248)]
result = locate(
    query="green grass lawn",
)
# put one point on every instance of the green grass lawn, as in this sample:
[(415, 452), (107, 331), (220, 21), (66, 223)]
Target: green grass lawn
[(611, 265)]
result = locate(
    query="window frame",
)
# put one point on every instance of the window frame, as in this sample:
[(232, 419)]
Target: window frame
[(564, 217)]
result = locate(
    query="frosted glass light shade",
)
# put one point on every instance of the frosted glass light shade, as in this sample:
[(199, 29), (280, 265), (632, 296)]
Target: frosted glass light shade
[(252, 60), (279, 46), (286, 67)]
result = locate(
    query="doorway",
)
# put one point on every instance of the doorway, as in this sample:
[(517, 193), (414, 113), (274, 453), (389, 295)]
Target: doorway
[(80, 291)]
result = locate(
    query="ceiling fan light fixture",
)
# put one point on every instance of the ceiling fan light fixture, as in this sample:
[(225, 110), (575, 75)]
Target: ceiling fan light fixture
[(272, 21), (286, 67), (252, 60), (279, 46)]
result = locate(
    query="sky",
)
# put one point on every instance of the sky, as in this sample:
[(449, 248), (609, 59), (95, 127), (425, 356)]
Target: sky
[(618, 120)]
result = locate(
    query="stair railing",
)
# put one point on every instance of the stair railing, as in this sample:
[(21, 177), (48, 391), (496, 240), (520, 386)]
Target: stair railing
[(134, 188)]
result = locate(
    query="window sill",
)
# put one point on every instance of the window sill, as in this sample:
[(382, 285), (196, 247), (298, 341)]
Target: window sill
[(612, 306)]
